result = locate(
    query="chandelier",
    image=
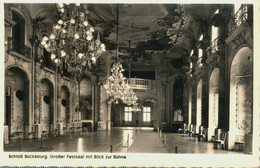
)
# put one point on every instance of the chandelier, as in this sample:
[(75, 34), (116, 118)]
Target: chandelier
[(116, 85), (71, 42)]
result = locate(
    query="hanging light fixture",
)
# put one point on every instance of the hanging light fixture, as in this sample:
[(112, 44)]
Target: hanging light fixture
[(71, 43), (116, 85)]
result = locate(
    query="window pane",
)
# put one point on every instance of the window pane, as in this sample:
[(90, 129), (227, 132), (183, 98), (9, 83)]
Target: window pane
[(130, 116), (126, 116), (148, 117), (146, 113), (214, 33)]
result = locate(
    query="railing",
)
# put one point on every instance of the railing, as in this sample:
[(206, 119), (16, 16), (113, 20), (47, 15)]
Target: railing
[(18, 47), (46, 62), (214, 47), (239, 18), (138, 83)]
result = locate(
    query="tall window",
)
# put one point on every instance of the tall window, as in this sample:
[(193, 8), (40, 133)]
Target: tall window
[(200, 53), (128, 113), (146, 113), (214, 33), (199, 62), (18, 30)]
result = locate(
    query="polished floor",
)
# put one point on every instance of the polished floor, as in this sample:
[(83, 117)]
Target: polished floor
[(119, 140)]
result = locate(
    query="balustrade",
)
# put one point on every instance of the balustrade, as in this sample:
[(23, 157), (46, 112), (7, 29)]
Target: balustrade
[(239, 18), (18, 47), (138, 83)]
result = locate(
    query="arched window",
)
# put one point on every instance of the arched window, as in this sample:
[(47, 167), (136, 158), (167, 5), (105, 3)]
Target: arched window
[(18, 32)]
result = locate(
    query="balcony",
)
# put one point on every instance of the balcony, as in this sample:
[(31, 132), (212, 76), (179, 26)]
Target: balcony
[(47, 63), (138, 83), (18, 47), (238, 19)]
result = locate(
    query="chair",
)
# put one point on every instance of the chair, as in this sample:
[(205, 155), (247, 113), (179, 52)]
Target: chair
[(221, 141), (44, 131), (183, 129), (239, 141), (186, 131), (191, 131), (203, 134), (197, 135)]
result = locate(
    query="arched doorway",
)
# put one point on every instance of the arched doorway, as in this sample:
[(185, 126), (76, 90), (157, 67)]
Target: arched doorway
[(240, 114), (118, 117), (86, 98), (46, 106), (18, 31), (199, 105), (177, 101), (213, 102), (65, 106), (16, 102)]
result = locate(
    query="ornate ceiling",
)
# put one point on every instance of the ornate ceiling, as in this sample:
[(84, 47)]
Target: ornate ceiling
[(145, 25)]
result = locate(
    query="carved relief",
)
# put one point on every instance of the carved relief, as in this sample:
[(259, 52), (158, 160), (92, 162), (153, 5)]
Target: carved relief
[(6, 57), (19, 62), (243, 112), (47, 74), (18, 119), (8, 29), (239, 40), (10, 77), (214, 62), (12, 104)]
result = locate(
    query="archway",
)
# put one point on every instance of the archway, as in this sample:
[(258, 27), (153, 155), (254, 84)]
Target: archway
[(240, 112), (86, 98), (199, 105), (65, 106), (16, 102), (18, 31), (46, 106), (177, 100), (213, 102), (118, 117)]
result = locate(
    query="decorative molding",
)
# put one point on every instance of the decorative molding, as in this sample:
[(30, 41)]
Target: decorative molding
[(244, 81), (213, 61), (26, 14), (19, 62), (239, 39), (12, 103), (10, 78)]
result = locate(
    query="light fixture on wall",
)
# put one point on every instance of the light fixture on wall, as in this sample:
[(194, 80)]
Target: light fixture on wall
[(116, 85), (71, 43)]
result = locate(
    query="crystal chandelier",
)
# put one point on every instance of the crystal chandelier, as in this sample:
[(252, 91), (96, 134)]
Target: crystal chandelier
[(116, 85), (71, 42)]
